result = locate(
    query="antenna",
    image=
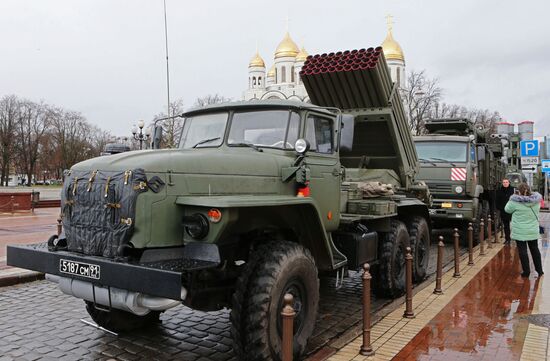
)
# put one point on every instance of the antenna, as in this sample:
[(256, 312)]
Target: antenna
[(167, 68)]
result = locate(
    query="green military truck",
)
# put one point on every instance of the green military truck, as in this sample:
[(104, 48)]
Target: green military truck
[(461, 164), (260, 199)]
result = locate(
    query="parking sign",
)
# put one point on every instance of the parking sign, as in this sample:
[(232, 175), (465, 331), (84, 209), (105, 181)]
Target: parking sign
[(529, 148)]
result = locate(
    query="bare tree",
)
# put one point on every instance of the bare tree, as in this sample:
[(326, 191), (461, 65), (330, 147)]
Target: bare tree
[(33, 122), (171, 128), (210, 99), (485, 117), (420, 96), (9, 106)]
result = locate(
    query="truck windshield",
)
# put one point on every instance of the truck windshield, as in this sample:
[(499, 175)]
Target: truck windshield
[(205, 130), (442, 151), (272, 128)]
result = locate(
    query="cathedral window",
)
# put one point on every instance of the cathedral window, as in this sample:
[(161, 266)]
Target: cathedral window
[(292, 74), (283, 74), (259, 81), (276, 75), (253, 80)]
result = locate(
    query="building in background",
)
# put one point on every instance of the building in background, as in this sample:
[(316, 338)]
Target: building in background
[(282, 81)]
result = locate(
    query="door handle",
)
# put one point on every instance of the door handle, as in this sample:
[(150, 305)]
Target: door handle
[(336, 172)]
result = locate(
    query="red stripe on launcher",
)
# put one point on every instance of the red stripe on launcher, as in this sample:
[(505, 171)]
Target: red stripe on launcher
[(458, 174)]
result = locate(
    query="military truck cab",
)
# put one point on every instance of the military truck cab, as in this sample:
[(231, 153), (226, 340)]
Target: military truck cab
[(461, 165)]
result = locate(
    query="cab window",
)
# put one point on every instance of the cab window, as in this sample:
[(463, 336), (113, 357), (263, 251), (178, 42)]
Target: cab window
[(320, 134)]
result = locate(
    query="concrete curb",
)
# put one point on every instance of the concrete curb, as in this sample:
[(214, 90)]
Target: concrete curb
[(13, 276)]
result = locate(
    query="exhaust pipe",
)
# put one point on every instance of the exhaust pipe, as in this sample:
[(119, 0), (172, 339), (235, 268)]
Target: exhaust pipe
[(137, 303)]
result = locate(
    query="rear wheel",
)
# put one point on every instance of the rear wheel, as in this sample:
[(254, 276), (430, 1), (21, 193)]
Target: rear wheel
[(391, 271), (121, 321), (275, 269), (420, 246)]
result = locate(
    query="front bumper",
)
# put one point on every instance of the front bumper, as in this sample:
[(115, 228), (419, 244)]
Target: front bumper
[(161, 278), (453, 213)]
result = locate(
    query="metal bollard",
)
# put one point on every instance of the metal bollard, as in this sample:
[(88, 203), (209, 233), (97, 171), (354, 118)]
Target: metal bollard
[(288, 324), (495, 223), (482, 238), (366, 348), (489, 230), (470, 244), (59, 226), (12, 201), (409, 313), (439, 271), (456, 236)]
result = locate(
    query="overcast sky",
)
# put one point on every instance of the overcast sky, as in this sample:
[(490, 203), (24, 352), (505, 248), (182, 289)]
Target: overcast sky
[(106, 58)]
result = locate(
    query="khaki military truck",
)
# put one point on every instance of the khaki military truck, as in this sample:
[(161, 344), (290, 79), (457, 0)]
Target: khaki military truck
[(461, 164), (260, 199)]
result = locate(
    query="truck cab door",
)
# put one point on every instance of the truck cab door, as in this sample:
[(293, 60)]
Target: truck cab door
[(323, 161)]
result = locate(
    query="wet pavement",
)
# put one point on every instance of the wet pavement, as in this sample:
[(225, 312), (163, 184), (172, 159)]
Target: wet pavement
[(40, 323), (487, 318)]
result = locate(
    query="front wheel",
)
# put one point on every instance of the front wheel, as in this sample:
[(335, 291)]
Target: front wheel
[(420, 247), (275, 268), (391, 272), (121, 321)]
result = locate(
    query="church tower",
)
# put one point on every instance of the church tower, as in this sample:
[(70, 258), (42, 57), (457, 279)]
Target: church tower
[(394, 56), (285, 57), (256, 72)]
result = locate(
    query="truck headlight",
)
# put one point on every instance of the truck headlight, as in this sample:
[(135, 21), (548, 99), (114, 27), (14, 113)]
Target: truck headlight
[(196, 225), (458, 189)]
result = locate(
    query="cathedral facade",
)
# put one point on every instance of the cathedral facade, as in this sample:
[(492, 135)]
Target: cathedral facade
[(282, 81)]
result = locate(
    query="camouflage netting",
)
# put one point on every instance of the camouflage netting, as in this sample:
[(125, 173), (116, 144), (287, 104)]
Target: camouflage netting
[(375, 189), (98, 209)]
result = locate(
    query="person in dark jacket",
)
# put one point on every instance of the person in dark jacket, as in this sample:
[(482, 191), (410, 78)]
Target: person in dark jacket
[(503, 195), (524, 208)]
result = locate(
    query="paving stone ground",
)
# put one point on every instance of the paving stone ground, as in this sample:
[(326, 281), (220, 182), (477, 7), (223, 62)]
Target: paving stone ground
[(40, 323)]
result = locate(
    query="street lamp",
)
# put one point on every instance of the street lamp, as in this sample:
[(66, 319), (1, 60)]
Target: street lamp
[(141, 137)]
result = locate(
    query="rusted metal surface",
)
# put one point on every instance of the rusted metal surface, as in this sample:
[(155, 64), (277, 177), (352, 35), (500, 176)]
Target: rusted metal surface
[(470, 244), (288, 327), (456, 237), (439, 271), (409, 313), (482, 238), (489, 230), (366, 348)]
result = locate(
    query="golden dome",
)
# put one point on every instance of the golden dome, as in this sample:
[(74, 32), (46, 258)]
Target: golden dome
[(271, 72), (256, 61), (302, 55), (287, 47), (392, 49)]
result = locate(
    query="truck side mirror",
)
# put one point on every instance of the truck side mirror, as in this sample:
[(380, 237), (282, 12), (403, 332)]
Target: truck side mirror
[(157, 137), (347, 127)]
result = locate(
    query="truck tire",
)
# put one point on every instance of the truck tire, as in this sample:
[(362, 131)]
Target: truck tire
[(420, 246), (276, 268), (121, 321), (391, 272)]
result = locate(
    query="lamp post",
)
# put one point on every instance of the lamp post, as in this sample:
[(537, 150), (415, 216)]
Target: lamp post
[(141, 136)]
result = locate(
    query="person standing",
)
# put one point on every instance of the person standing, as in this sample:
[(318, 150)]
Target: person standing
[(503, 195), (524, 208)]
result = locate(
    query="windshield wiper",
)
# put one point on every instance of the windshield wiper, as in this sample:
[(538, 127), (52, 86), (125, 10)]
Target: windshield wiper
[(426, 161), (251, 145), (444, 161), (205, 141)]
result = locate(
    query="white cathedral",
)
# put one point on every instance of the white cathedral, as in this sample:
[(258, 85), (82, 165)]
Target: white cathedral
[(282, 81)]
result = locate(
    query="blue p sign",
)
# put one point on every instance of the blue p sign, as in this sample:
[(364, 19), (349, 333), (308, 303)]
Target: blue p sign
[(529, 148)]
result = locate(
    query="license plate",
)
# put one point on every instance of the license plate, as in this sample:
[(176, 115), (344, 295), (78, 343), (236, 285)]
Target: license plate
[(446, 205), (80, 269)]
